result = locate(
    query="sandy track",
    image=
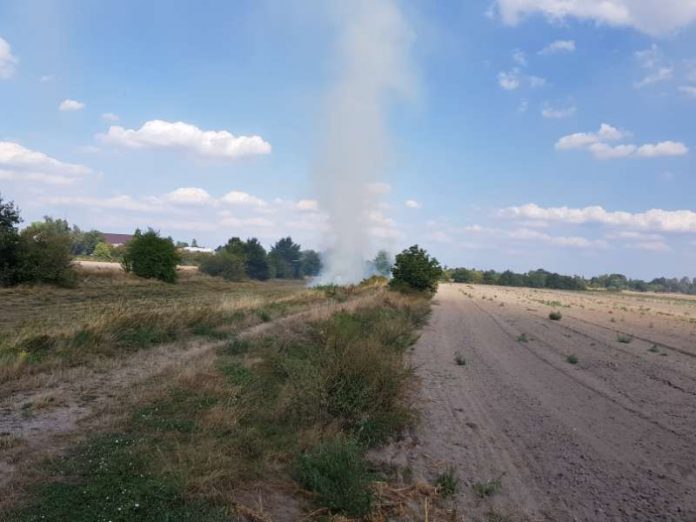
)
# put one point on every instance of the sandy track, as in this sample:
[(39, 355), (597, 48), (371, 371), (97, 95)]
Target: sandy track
[(611, 438)]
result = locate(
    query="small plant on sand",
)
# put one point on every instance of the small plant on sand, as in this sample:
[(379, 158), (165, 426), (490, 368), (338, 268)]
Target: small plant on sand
[(555, 316), (522, 338), (654, 349), (624, 338), (447, 483), (572, 359), (459, 359), (487, 488)]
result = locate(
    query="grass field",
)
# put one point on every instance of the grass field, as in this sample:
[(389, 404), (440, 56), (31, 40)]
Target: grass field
[(126, 399)]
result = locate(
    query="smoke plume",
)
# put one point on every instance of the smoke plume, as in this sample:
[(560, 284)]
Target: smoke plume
[(372, 67)]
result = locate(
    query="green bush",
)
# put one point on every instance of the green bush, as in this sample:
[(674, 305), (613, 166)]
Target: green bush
[(337, 472), (150, 256), (415, 269), (45, 253), (224, 264), (555, 316)]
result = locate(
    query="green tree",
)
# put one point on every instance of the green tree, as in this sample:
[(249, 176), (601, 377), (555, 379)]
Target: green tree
[(414, 268), (83, 243), (151, 256), (310, 263), (224, 264), (256, 260), (9, 242), (284, 259), (45, 253), (383, 263), (102, 250)]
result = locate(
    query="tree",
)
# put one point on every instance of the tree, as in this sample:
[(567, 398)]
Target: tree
[(9, 242), (151, 256), (224, 264), (383, 263), (414, 268), (310, 263), (256, 260), (102, 251), (194, 243), (45, 253), (84, 243), (284, 259)]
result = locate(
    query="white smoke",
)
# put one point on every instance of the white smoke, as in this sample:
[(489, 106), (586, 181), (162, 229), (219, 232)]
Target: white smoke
[(372, 66)]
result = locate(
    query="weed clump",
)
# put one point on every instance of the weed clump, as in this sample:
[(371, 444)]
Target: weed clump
[(555, 316), (447, 483), (459, 359), (522, 338), (572, 359), (488, 488), (654, 349), (337, 472), (624, 338)]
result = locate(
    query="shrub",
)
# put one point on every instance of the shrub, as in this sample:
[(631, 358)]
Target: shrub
[(224, 264), (572, 359), (522, 338), (555, 316), (459, 359), (45, 253), (624, 338), (337, 472), (415, 269), (150, 256)]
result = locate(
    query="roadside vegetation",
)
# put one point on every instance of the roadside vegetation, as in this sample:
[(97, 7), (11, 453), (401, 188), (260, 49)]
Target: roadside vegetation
[(298, 407)]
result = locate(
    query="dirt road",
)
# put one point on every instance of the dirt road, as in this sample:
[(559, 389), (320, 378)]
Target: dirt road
[(611, 438)]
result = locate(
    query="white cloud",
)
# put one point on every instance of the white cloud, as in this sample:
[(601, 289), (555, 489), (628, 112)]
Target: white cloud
[(655, 17), (558, 112), (583, 139), (307, 205), (688, 89), (604, 151), (236, 197), (536, 81), (519, 58), (19, 163), (651, 246), (654, 220), (109, 116), (596, 144), (255, 222), (660, 75), (180, 135), (412, 203), (564, 241), (665, 148), (378, 188), (71, 105), (112, 203), (47, 78), (509, 80), (189, 196), (8, 62), (559, 46)]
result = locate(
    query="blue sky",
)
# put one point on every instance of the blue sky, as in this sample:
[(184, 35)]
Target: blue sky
[(538, 133)]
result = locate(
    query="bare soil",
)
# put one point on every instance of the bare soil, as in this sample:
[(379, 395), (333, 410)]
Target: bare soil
[(611, 438)]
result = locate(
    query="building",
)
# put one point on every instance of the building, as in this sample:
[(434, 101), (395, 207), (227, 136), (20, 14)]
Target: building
[(116, 240)]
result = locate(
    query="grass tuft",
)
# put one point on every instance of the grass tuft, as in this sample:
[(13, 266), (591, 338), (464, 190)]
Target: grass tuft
[(447, 483), (337, 472), (624, 338), (488, 488), (555, 316), (572, 359)]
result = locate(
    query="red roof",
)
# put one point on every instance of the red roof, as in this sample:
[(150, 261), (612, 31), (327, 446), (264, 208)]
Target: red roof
[(117, 239)]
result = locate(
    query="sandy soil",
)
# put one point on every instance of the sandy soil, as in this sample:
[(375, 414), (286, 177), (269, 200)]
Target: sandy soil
[(612, 438)]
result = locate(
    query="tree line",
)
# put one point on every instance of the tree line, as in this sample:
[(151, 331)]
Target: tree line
[(544, 279)]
